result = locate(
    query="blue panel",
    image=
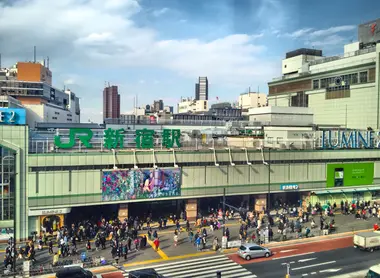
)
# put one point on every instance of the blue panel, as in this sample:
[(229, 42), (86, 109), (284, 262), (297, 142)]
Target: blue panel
[(12, 116), (290, 186)]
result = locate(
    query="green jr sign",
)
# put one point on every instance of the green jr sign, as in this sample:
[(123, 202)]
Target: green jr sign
[(114, 138)]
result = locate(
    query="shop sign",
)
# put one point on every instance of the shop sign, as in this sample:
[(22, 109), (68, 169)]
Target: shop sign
[(114, 138), (350, 139), (49, 212), (12, 116), (292, 186)]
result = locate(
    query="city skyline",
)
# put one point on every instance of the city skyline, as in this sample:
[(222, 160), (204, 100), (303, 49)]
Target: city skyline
[(240, 47)]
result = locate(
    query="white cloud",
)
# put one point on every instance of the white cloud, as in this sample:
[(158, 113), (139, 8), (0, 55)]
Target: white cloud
[(142, 81), (297, 34), (160, 12), (312, 34), (100, 34), (327, 41)]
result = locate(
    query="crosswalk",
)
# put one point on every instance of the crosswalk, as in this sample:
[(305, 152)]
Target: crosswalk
[(206, 267)]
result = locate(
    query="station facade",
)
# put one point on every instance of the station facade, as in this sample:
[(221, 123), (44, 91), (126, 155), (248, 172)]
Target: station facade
[(42, 189)]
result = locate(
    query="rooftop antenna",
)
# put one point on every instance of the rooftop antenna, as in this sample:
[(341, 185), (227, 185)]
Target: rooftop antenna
[(109, 84), (35, 50), (44, 63), (48, 61)]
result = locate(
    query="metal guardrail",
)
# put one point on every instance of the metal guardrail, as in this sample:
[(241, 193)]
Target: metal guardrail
[(48, 146)]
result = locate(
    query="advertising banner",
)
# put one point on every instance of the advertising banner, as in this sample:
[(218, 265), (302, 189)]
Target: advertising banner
[(120, 185), (350, 174)]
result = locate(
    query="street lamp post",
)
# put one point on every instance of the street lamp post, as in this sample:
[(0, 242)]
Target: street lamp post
[(269, 172), (224, 212)]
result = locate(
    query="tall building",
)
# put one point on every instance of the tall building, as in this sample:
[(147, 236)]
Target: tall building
[(340, 90), (158, 105), (201, 89), (111, 103)]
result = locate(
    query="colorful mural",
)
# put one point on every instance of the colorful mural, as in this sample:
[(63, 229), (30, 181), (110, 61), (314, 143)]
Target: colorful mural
[(133, 184)]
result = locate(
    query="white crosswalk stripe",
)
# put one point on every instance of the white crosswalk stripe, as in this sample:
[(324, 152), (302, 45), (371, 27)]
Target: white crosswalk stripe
[(205, 267)]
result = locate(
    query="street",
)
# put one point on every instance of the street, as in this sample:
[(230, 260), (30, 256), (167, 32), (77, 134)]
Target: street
[(321, 264)]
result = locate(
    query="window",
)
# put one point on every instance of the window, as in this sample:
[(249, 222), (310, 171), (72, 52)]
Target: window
[(323, 83), (279, 140), (364, 77), (316, 84), (300, 100), (255, 248), (354, 78), (284, 66), (270, 140)]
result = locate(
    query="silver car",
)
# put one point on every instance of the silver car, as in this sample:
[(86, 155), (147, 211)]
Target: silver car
[(251, 250)]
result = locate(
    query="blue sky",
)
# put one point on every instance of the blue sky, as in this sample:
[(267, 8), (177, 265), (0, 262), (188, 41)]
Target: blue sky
[(156, 49)]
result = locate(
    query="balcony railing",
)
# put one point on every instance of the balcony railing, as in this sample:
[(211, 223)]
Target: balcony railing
[(48, 146)]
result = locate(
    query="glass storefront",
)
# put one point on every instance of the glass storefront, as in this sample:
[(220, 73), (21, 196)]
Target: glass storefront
[(7, 181)]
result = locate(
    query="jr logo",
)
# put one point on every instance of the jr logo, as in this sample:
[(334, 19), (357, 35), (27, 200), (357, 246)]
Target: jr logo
[(84, 135)]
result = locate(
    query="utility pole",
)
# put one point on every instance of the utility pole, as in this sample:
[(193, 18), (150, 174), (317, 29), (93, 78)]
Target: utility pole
[(224, 211), (269, 163)]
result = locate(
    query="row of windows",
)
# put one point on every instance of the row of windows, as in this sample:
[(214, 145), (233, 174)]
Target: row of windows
[(348, 79), (54, 118), (195, 164), (16, 84)]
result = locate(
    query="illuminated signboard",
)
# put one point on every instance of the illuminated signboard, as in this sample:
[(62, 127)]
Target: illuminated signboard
[(114, 138), (12, 116)]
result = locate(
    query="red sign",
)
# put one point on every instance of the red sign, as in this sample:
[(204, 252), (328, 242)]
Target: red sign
[(373, 28)]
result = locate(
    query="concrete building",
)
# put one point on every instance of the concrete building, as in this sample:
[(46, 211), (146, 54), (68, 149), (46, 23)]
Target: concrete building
[(158, 105), (196, 174), (201, 89), (282, 116), (111, 103), (340, 90), (250, 100), (169, 109), (30, 84), (188, 105)]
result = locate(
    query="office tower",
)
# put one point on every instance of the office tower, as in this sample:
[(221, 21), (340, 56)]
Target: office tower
[(111, 103), (201, 89)]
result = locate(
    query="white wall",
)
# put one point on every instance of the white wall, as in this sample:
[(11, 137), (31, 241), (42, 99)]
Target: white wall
[(295, 64), (252, 100), (358, 111), (193, 106), (48, 114), (344, 63)]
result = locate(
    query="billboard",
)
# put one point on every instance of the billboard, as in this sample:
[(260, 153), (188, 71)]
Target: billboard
[(349, 174), (120, 185), (369, 32)]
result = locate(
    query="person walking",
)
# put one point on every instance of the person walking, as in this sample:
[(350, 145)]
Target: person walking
[(191, 235), (175, 240), (198, 243), (125, 251), (156, 243), (51, 247)]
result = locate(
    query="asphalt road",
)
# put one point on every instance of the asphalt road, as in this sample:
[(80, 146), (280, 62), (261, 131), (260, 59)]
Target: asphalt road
[(322, 264)]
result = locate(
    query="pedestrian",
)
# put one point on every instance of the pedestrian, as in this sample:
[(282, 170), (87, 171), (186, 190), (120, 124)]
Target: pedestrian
[(175, 240), (51, 247), (88, 245), (137, 243), (156, 243), (125, 251), (198, 243), (191, 235)]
